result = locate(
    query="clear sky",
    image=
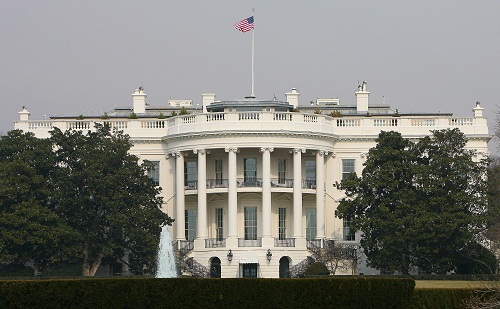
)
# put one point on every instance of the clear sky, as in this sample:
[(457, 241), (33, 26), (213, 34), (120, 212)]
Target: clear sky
[(83, 57)]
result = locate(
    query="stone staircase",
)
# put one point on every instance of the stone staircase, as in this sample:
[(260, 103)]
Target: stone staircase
[(188, 264)]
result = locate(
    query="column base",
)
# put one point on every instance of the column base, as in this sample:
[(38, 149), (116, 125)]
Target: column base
[(232, 243), (300, 243), (268, 242), (199, 244)]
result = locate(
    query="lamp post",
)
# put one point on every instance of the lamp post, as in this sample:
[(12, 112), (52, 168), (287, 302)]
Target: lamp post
[(230, 255), (269, 255)]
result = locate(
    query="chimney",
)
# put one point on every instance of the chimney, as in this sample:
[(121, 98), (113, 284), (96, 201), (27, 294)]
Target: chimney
[(139, 100), (207, 99), (478, 110), (293, 97), (362, 98), (24, 115)]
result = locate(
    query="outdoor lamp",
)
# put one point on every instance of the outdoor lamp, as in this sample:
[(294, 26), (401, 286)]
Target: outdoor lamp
[(230, 255), (269, 255)]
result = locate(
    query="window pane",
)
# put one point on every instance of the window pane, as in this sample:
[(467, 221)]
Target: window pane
[(250, 169), (154, 172), (250, 223), (310, 223), (219, 221), (190, 174), (281, 171), (348, 167), (282, 224), (190, 224), (218, 172), (348, 234)]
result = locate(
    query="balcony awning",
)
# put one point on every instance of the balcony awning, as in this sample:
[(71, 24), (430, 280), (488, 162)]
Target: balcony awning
[(249, 257)]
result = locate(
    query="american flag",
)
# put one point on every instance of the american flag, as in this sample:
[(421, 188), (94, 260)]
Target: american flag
[(245, 25)]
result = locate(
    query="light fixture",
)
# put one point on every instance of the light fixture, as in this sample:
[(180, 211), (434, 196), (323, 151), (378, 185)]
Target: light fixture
[(269, 255), (230, 255)]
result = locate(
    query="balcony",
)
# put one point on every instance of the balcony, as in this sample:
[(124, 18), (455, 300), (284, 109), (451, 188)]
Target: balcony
[(250, 242), (215, 243), (287, 242), (281, 183), (249, 182), (308, 184), (217, 183)]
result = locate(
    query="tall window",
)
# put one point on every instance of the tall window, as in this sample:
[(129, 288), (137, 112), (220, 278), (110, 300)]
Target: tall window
[(250, 169), (348, 167), (282, 223), (219, 232), (250, 223), (154, 172), (218, 172), (190, 174), (281, 171), (311, 174), (310, 223), (190, 224), (348, 234)]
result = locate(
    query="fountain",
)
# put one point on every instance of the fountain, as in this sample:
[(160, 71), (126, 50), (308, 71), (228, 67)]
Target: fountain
[(165, 261)]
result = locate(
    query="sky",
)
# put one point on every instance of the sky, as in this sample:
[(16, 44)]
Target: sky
[(62, 57)]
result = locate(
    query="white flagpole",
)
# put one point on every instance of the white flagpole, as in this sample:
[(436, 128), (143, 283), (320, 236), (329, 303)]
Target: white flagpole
[(253, 52)]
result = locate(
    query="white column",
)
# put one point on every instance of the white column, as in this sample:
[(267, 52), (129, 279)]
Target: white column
[(320, 194), (179, 196), (232, 195), (266, 192), (297, 192), (201, 228)]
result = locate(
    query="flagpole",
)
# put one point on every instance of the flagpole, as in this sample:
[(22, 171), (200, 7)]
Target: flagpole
[(253, 53)]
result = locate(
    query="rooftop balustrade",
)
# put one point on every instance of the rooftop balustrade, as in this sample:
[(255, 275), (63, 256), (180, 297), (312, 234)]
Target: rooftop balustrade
[(264, 121)]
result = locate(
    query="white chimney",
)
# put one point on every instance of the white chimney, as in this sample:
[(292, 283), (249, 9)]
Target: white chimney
[(293, 97), (362, 98), (24, 115), (139, 100), (207, 99), (478, 110)]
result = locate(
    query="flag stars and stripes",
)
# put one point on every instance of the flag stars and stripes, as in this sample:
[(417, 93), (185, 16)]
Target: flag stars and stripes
[(245, 25)]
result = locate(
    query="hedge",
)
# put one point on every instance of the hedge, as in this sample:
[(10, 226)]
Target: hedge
[(440, 298), (208, 293)]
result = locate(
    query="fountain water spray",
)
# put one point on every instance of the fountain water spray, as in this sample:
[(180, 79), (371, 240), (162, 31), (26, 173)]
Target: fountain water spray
[(165, 261)]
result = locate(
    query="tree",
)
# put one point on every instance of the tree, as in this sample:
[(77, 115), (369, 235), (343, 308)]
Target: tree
[(105, 195), (418, 204), (340, 256), (31, 230)]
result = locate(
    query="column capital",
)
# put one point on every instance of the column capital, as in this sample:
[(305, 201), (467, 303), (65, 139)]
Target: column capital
[(297, 150), (263, 149), (200, 151), (232, 149), (176, 154), (363, 155)]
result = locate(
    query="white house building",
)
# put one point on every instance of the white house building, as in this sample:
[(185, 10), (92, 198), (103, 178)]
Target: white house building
[(250, 182)]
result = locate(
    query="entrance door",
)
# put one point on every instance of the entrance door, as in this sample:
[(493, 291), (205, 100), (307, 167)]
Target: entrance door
[(250, 270), (284, 267), (215, 268)]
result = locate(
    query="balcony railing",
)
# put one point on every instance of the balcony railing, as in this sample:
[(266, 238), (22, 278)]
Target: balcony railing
[(249, 182), (191, 185), (215, 243), (250, 242), (217, 183), (287, 242), (308, 184), (281, 183)]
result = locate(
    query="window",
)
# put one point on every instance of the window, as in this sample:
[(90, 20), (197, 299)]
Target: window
[(190, 224), (311, 174), (310, 223), (282, 223), (154, 172), (218, 172), (348, 234), (219, 232), (190, 174), (250, 223), (281, 171), (348, 167), (250, 169)]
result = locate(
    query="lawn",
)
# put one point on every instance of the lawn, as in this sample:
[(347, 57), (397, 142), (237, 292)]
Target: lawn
[(455, 284)]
